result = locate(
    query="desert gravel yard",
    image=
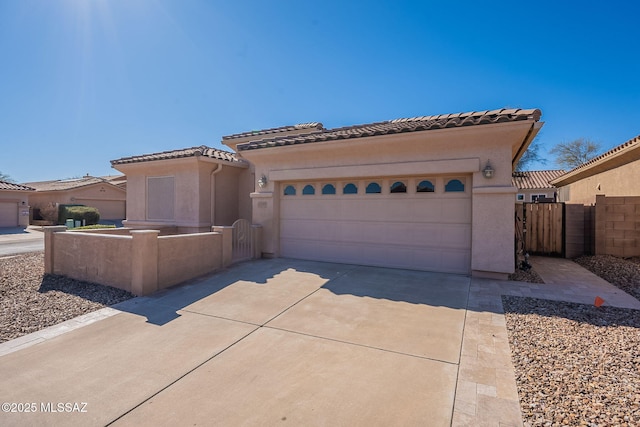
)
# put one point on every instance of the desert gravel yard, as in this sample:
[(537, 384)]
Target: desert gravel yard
[(575, 364), (31, 301), (622, 273)]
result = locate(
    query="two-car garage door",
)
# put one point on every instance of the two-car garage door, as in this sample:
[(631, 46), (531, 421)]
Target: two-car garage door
[(8, 214), (421, 223)]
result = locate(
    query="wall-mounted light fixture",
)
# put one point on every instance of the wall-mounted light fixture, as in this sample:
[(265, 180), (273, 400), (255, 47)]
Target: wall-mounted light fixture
[(262, 182), (487, 172)]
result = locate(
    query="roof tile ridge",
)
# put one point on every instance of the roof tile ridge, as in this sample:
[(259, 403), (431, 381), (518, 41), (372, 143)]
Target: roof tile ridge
[(608, 153)]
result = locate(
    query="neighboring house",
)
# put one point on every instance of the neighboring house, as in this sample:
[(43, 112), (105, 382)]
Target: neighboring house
[(430, 193), (535, 186), (109, 199), (14, 204), (117, 180), (189, 189), (614, 173)]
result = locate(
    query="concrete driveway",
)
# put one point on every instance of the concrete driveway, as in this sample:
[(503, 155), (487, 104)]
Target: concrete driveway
[(268, 342)]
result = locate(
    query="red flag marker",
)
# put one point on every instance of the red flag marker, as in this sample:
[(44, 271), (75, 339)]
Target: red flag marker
[(598, 302)]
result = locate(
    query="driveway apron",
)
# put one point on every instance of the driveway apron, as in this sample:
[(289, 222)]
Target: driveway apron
[(262, 343)]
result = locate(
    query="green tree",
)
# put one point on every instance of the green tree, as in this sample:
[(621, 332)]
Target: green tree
[(4, 177), (531, 155), (572, 154)]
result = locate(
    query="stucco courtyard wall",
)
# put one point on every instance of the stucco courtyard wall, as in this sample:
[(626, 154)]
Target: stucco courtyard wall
[(183, 257), (141, 262)]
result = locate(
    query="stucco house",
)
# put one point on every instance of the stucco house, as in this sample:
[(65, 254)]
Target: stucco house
[(188, 190), (14, 204), (534, 186), (96, 192), (614, 173), (430, 193)]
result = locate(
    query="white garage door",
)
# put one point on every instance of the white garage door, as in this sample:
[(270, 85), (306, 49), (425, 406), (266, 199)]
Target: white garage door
[(421, 223), (8, 214)]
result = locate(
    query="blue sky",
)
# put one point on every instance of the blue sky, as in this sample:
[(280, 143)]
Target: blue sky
[(83, 82)]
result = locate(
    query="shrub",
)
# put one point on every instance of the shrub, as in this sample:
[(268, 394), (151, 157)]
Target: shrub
[(94, 227), (90, 215), (49, 212)]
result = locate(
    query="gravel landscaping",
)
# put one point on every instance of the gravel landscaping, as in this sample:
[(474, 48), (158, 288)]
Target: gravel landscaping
[(575, 364), (31, 300), (528, 275), (622, 273)]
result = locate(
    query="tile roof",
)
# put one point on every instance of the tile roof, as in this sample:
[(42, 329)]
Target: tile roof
[(627, 146), (66, 184), (413, 124), (618, 156), (528, 180), (203, 150), (267, 132), (4, 185)]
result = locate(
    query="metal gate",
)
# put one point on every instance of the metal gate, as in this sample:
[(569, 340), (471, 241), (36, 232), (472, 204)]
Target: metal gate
[(243, 241)]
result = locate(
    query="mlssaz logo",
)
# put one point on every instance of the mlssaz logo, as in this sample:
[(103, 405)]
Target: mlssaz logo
[(63, 407)]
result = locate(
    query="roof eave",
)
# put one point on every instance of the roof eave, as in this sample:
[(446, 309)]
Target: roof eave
[(604, 164)]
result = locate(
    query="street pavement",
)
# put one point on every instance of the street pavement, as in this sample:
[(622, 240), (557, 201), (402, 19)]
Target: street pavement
[(21, 240)]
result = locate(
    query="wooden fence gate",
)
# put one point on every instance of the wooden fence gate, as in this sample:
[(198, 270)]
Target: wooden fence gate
[(540, 229)]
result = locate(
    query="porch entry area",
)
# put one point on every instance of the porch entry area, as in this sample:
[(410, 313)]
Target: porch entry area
[(420, 223)]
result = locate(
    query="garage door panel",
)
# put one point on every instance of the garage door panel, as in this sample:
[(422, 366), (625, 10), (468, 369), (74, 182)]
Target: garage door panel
[(425, 231), (427, 211), (455, 261), (8, 214), (456, 210), (368, 208)]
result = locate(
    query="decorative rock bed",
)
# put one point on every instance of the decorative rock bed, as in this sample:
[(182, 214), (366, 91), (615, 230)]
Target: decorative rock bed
[(31, 301)]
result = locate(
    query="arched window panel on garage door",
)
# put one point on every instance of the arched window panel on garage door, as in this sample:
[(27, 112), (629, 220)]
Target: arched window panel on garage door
[(425, 186), (308, 190), (454, 185), (289, 190), (350, 189), (328, 189), (398, 187), (373, 188)]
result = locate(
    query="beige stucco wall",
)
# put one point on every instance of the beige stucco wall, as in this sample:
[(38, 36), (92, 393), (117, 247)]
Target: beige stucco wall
[(184, 257), (83, 256), (205, 193), (141, 262), (621, 181), (449, 151)]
